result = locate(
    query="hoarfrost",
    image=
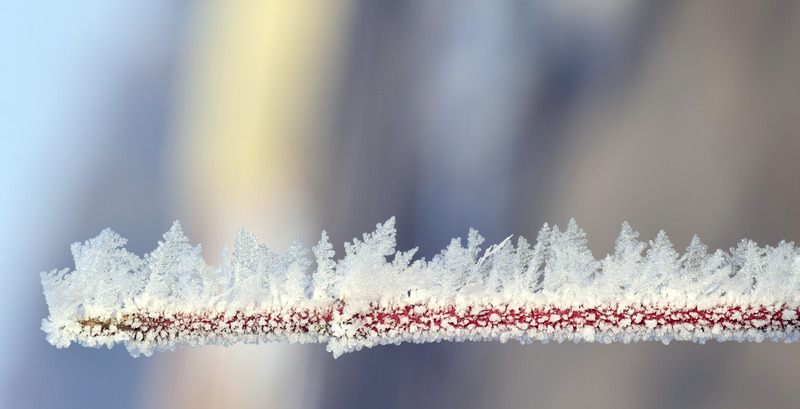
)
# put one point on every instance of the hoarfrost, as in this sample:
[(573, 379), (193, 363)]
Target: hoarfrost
[(551, 290), (324, 279)]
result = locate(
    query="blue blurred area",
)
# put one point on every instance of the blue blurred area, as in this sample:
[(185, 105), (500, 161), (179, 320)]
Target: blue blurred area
[(84, 111)]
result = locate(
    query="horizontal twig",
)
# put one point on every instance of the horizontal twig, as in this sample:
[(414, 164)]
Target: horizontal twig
[(345, 330), (553, 291)]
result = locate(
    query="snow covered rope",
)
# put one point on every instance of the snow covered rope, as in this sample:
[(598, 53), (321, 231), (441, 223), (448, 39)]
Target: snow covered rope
[(554, 290)]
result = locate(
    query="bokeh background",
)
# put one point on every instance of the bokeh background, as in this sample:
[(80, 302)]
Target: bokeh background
[(292, 117)]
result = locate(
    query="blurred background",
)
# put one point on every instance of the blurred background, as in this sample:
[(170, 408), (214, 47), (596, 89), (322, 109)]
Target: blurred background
[(292, 117)]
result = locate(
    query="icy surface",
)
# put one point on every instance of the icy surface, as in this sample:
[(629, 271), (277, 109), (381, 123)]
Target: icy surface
[(551, 290)]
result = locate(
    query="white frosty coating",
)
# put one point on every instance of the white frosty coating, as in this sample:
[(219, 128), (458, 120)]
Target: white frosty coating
[(553, 290)]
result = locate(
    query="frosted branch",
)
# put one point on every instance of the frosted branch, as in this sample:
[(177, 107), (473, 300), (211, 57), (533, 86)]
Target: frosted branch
[(376, 295)]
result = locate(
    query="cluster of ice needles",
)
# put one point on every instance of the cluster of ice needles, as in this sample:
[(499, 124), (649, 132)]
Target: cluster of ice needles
[(551, 290)]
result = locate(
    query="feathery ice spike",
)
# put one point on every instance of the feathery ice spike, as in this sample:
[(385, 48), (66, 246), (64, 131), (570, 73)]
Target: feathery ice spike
[(553, 291)]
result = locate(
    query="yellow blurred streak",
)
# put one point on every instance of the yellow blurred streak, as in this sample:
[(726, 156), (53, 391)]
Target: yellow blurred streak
[(245, 151), (253, 99)]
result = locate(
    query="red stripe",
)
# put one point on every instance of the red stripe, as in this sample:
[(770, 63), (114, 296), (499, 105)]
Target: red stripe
[(409, 319)]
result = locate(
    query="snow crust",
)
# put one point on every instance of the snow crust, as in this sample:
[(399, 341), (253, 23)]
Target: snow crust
[(553, 290)]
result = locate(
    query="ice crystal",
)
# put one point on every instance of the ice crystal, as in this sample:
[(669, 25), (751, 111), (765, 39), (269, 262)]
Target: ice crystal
[(375, 294)]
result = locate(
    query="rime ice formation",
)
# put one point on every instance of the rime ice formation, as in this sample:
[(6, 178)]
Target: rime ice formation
[(552, 291)]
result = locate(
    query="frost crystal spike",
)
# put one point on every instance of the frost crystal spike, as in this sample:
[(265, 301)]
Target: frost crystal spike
[(551, 291)]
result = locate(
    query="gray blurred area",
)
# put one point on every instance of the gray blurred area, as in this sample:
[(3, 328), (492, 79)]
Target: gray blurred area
[(682, 116)]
